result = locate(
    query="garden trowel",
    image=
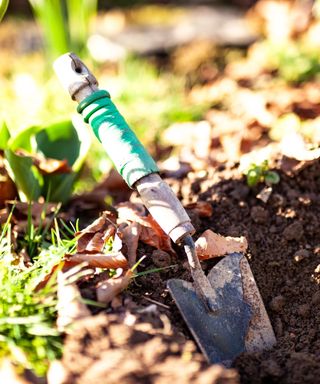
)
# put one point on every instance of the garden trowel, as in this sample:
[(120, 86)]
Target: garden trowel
[(223, 310)]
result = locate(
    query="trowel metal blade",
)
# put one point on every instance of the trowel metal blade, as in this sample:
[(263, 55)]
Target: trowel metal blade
[(222, 335)]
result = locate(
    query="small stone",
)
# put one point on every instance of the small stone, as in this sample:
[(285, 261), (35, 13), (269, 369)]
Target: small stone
[(300, 255), (304, 310), (160, 258), (277, 200), (259, 215), (277, 303), (293, 231), (317, 269), (317, 249), (316, 298)]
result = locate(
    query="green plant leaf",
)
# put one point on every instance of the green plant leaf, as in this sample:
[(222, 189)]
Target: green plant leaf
[(61, 141), (272, 177), (3, 7), (253, 177), (51, 16), (25, 175), (4, 135)]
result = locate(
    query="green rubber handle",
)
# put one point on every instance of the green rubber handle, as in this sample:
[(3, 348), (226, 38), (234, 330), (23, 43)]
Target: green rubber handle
[(126, 152)]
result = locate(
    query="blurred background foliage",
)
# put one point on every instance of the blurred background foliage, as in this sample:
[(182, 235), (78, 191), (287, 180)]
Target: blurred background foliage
[(152, 57)]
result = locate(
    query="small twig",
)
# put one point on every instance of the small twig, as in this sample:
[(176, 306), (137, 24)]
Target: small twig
[(156, 302)]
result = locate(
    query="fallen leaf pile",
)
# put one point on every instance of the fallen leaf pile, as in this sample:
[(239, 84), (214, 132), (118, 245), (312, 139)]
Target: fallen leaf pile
[(92, 241), (125, 226)]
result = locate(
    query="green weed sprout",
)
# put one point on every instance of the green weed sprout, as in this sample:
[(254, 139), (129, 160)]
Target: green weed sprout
[(28, 334), (261, 174)]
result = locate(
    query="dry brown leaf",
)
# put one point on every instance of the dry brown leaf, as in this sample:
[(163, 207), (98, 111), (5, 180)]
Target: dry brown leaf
[(63, 266), (108, 289), (210, 245), (52, 166), (70, 307), (99, 260), (128, 212), (46, 166), (130, 235), (8, 190), (93, 238), (151, 233), (202, 208), (4, 214)]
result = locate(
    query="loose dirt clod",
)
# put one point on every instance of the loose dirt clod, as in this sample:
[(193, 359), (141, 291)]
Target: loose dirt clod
[(160, 258), (129, 349), (293, 232), (301, 255), (259, 215), (277, 303)]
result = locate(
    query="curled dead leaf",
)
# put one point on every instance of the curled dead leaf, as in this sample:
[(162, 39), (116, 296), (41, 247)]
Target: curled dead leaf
[(108, 289), (99, 260), (46, 166), (8, 190), (130, 235), (210, 245), (92, 239), (128, 211), (150, 232), (202, 208)]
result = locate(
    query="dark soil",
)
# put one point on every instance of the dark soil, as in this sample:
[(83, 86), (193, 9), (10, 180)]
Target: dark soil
[(136, 348), (284, 254)]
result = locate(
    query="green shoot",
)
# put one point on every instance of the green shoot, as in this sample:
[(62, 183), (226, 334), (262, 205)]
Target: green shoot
[(261, 174)]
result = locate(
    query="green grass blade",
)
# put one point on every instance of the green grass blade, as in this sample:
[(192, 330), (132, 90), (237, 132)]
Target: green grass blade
[(52, 19)]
